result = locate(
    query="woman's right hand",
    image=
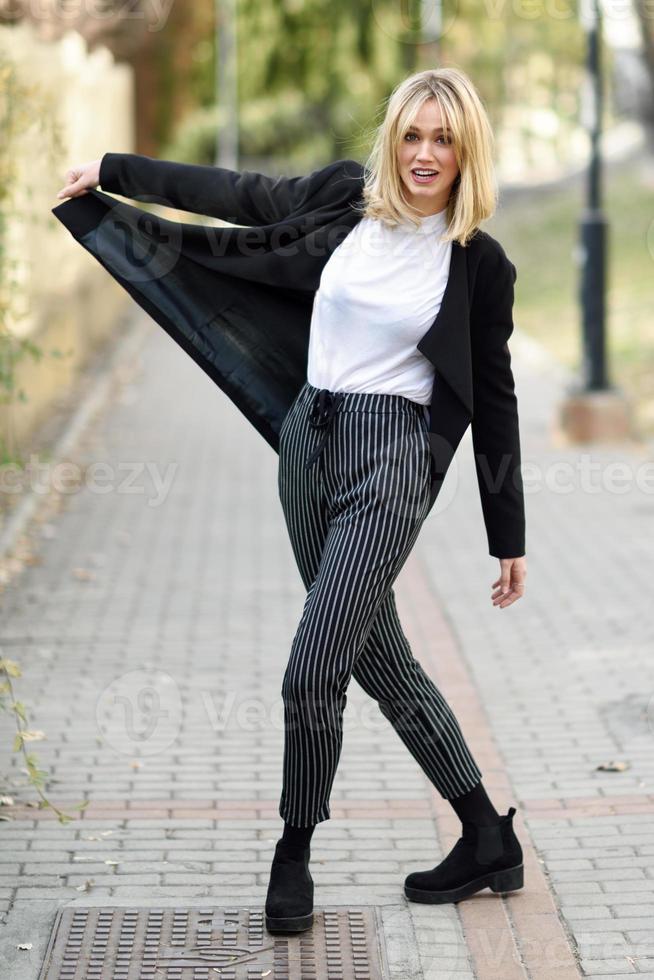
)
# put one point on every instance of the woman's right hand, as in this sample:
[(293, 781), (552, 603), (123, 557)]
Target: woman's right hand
[(80, 179)]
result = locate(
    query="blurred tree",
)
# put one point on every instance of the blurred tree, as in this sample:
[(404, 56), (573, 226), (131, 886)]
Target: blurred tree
[(644, 13), (311, 75), (517, 56)]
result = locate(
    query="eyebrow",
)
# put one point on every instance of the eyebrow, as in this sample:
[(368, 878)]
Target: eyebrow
[(438, 129)]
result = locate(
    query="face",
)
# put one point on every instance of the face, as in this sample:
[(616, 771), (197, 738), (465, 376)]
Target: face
[(425, 147)]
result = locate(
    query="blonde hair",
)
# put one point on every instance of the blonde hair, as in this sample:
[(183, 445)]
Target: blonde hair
[(473, 196)]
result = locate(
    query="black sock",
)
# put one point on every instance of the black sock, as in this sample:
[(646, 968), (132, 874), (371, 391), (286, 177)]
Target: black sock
[(475, 807), (297, 835)]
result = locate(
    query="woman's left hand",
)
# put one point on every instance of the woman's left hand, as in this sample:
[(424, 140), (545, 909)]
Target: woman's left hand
[(511, 583)]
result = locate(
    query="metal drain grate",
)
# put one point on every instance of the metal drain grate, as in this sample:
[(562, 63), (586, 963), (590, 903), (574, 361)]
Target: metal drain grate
[(211, 944)]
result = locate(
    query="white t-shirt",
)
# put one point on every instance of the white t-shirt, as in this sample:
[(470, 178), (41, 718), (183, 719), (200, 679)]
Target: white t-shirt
[(379, 293)]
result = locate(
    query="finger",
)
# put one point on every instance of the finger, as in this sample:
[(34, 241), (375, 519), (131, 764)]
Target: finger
[(72, 177), (72, 190), (512, 597), (500, 597), (515, 586)]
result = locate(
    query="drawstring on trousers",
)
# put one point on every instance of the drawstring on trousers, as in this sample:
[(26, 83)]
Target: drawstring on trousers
[(323, 409)]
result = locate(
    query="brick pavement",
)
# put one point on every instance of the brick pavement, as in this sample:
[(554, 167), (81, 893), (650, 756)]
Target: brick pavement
[(181, 577)]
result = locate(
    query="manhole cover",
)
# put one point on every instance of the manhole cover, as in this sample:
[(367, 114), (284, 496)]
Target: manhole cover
[(210, 944)]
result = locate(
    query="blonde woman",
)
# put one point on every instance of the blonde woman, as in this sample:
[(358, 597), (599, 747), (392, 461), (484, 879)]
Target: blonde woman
[(361, 336)]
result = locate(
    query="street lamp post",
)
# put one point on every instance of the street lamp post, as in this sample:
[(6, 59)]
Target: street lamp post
[(593, 410), (593, 225)]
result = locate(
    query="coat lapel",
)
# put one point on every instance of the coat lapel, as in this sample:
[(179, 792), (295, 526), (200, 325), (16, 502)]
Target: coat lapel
[(447, 342)]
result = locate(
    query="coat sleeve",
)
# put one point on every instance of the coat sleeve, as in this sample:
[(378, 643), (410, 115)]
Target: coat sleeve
[(495, 424), (239, 197)]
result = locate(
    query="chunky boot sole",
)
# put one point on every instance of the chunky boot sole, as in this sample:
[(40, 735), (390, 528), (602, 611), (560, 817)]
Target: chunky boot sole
[(290, 890), (507, 880), (297, 923)]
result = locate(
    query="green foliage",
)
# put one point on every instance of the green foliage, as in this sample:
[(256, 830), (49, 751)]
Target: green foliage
[(283, 125), (311, 74), (24, 735)]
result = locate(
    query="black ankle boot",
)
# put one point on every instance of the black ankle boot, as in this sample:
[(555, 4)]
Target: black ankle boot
[(482, 857), (289, 903)]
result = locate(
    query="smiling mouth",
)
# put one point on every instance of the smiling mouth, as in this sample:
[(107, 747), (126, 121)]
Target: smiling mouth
[(423, 175)]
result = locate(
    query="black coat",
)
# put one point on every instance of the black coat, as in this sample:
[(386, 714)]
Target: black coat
[(239, 301)]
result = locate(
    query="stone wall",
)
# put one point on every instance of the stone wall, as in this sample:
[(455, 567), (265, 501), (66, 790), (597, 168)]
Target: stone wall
[(77, 105)]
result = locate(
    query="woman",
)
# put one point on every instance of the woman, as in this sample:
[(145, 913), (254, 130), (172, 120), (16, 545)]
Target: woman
[(390, 342)]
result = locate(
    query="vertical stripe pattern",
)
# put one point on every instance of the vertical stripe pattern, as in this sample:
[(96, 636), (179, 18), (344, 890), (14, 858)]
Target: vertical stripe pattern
[(354, 481)]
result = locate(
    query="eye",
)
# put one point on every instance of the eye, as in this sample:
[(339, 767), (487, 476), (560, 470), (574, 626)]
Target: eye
[(442, 137)]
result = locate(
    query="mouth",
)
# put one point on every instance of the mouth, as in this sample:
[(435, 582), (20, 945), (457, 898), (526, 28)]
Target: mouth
[(423, 175)]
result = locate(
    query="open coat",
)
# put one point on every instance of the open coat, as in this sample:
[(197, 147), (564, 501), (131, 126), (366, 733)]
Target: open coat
[(238, 299)]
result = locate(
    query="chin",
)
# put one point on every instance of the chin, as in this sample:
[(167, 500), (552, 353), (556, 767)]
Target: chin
[(421, 191)]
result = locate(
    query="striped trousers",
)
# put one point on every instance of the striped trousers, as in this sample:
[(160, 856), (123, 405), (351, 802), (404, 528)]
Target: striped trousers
[(354, 480)]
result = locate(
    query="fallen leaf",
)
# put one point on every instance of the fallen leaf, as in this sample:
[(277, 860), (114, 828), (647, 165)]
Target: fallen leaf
[(32, 736), (85, 887)]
